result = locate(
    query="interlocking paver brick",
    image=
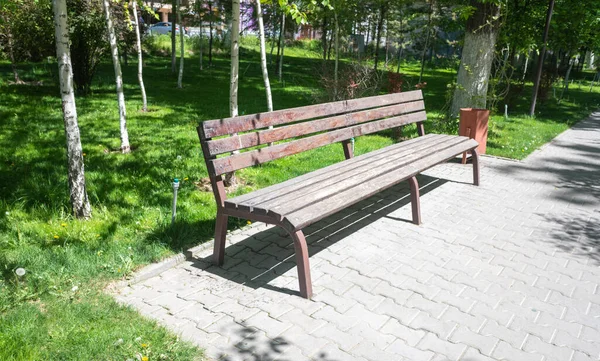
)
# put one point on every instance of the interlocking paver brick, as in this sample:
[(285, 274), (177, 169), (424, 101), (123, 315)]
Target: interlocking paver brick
[(452, 351), (505, 271), (483, 344), (505, 351), (343, 339), (409, 335), (408, 352)]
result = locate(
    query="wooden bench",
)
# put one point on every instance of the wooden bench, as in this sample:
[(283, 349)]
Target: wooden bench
[(301, 201)]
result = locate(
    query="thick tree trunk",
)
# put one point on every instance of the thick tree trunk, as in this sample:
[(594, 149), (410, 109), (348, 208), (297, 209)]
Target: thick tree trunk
[(382, 11), (173, 37), (181, 46), (477, 58), (125, 148), (280, 67), (77, 191), (140, 57), (210, 29), (263, 56)]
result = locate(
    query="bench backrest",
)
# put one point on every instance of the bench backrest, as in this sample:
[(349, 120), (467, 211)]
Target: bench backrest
[(315, 125)]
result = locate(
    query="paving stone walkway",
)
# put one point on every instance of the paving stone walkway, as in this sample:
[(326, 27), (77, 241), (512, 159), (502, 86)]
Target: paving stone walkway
[(505, 271)]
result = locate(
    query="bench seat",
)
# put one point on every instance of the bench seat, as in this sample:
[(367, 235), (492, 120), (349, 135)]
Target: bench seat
[(309, 198)]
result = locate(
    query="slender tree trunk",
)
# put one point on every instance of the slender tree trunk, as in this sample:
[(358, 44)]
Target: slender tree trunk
[(273, 39), (173, 36), (337, 55), (382, 11), (235, 34), (280, 68), (525, 67), (181, 46), (426, 40), (330, 46), (324, 38), (230, 178), (477, 57), (11, 54), (201, 45), (210, 39), (263, 56), (125, 148), (140, 58), (400, 47), (567, 76), (540, 65), (77, 190), (281, 25)]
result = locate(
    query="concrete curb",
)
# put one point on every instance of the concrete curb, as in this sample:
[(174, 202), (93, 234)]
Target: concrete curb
[(155, 269)]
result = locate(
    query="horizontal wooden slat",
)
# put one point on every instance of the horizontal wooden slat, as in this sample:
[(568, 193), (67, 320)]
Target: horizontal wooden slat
[(355, 166), (218, 127), (238, 142), (317, 211), (259, 156), (315, 176), (329, 187)]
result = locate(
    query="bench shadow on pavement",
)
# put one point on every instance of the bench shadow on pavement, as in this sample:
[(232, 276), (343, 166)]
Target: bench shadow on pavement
[(266, 256)]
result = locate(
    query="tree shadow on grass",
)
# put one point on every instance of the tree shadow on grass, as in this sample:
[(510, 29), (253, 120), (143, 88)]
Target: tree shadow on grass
[(268, 255)]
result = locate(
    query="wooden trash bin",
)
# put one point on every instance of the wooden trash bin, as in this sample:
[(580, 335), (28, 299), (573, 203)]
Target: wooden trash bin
[(474, 124)]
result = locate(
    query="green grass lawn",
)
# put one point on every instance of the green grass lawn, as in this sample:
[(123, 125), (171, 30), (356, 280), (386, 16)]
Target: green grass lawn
[(58, 310)]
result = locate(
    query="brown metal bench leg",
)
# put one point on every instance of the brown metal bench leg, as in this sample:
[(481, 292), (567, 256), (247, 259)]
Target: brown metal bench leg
[(475, 157), (302, 264), (414, 200), (220, 234)]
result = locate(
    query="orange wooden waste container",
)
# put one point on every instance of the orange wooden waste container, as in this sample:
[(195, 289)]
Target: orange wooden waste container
[(474, 124)]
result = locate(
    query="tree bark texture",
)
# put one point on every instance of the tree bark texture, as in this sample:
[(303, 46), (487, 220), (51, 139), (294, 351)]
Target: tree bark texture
[(125, 148), (263, 56), (477, 58), (140, 57), (235, 66), (181, 46), (76, 175)]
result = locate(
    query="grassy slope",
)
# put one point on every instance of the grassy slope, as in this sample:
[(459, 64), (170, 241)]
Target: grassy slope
[(43, 314)]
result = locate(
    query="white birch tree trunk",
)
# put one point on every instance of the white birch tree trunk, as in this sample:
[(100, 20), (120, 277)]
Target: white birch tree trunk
[(474, 71), (230, 179), (125, 148), (140, 57), (263, 56), (280, 69), (235, 66), (77, 191), (181, 46)]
